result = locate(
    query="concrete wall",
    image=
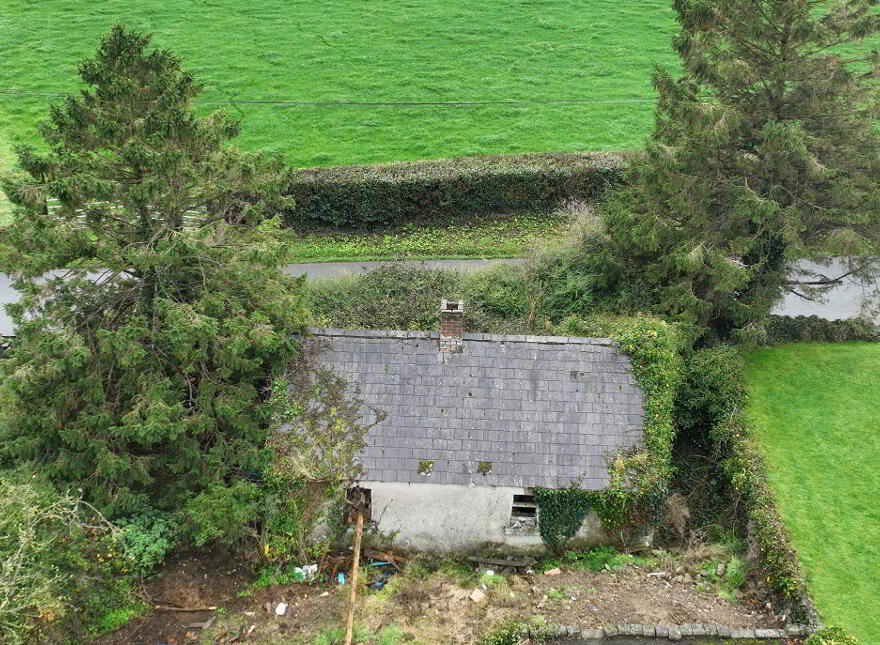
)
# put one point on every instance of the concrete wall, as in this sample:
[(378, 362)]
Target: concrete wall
[(448, 517)]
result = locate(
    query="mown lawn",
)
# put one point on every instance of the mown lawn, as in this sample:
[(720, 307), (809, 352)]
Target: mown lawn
[(815, 407), (385, 51)]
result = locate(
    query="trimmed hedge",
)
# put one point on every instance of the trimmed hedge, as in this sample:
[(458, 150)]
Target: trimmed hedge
[(386, 194), (796, 329)]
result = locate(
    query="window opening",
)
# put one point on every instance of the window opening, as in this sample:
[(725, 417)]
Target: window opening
[(523, 516)]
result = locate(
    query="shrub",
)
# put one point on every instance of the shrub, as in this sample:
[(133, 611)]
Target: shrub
[(712, 387), (390, 297), (60, 576), (498, 299), (511, 632), (794, 329), (148, 538), (832, 636), (226, 515), (384, 194)]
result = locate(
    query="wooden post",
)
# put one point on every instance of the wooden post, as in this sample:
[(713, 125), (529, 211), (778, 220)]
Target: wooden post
[(359, 531)]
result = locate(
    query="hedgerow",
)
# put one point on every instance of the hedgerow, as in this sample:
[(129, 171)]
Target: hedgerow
[(639, 477), (794, 329), (384, 194), (713, 397)]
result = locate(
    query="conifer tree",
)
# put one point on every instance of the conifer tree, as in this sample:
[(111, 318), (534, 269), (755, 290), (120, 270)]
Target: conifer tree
[(141, 363), (765, 150)]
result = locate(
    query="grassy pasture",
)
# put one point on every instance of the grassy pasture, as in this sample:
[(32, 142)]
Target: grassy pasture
[(388, 50), (815, 410)]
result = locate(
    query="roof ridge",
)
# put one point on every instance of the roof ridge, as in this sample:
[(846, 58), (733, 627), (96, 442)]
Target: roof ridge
[(433, 335)]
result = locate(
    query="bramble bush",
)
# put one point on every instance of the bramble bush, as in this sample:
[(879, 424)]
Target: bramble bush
[(498, 299), (61, 575)]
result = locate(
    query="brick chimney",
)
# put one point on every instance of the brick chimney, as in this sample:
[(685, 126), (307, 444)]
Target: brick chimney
[(451, 325)]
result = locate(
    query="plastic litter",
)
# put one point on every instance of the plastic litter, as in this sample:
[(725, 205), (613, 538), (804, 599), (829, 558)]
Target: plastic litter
[(305, 573), (281, 609), (340, 578), (388, 569)]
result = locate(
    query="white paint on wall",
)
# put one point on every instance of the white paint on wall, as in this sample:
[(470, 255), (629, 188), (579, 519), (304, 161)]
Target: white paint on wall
[(447, 517)]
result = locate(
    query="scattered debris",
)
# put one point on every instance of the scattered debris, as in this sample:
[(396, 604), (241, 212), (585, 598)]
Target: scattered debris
[(508, 565), (281, 609), (477, 595), (203, 625), (161, 608), (324, 595), (305, 573), (553, 572)]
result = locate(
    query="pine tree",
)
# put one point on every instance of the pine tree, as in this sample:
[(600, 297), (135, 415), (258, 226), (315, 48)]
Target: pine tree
[(765, 150), (139, 370)]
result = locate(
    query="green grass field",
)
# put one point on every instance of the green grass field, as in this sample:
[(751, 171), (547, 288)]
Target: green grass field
[(818, 423), (387, 50)]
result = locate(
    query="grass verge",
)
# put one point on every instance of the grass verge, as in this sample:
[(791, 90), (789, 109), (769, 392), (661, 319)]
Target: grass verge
[(814, 409), (490, 237)]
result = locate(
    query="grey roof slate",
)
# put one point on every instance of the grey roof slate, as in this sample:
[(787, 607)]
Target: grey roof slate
[(543, 410)]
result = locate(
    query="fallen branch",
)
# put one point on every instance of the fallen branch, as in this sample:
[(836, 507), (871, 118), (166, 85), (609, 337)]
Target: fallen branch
[(161, 608)]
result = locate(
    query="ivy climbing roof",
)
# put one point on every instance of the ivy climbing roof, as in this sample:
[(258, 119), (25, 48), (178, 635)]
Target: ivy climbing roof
[(508, 410)]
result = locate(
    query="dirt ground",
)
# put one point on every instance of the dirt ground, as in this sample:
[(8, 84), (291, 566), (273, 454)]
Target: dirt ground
[(415, 606)]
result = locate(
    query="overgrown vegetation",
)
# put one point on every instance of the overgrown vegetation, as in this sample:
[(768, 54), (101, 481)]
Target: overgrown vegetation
[(639, 479), (596, 559), (63, 574), (797, 329), (831, 636), (405, 297), (712, 405)]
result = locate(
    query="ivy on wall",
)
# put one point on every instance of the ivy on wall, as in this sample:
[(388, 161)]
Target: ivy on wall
[(562, 512), (639, 477)]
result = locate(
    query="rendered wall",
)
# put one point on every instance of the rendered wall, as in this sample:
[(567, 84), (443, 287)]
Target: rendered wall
[(448, 517)]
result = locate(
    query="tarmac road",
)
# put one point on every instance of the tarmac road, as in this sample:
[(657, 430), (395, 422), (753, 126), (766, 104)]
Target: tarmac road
[(844, 301)]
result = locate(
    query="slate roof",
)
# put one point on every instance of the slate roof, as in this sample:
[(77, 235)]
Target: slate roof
[(543, 410)]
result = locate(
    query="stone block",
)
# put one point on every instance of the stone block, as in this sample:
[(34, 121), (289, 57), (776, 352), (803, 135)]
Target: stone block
[(674, 634), (594, 634), (742, 633), (769, 633), (610, 631)]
